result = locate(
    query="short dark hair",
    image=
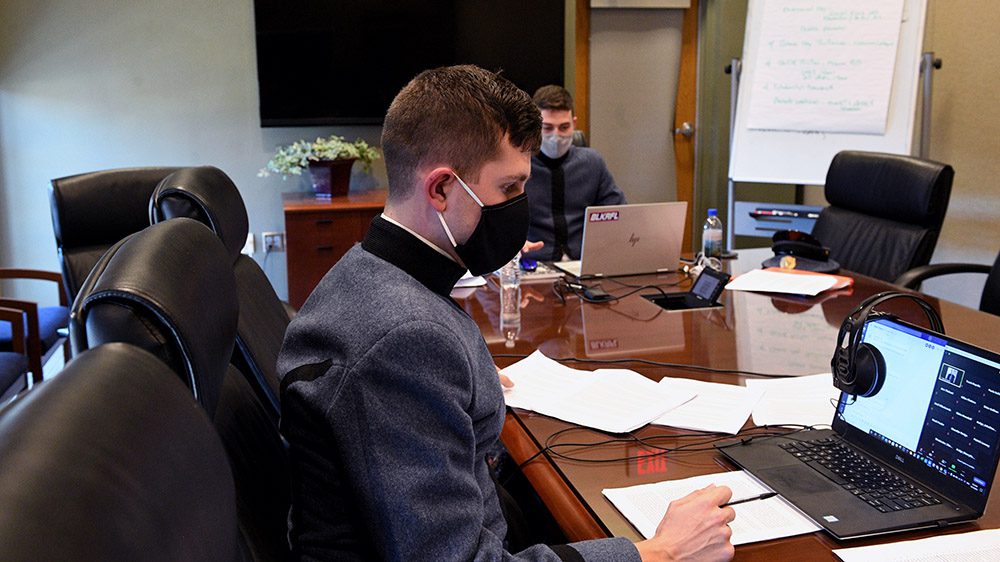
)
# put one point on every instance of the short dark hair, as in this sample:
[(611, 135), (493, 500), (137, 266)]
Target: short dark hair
[(553, 97), (458, 115)]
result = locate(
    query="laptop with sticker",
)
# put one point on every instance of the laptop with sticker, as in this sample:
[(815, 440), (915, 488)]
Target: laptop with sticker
[(630, 240)]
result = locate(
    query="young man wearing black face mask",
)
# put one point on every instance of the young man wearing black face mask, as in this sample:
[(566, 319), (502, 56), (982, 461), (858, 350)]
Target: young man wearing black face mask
[(565, 180), (390, 400)]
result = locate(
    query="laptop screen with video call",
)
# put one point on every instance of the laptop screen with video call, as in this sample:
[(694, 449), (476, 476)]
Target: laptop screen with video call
[(937, 416)]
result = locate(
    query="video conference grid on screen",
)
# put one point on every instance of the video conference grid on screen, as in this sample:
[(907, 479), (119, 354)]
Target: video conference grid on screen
[(940, 404)]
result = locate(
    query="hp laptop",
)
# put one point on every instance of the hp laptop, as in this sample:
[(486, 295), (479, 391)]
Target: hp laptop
[(629, 240), (922, 452)]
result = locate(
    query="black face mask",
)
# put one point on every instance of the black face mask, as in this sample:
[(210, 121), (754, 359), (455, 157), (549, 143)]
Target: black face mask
[(499, 235)]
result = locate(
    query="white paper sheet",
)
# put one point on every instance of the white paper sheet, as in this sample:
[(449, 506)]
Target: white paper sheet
[(613, 400), (964, 547), (805, 400), (715, 407), (778, 282), (760, 520)]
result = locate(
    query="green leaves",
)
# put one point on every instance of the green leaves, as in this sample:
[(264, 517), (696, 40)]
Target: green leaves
[(291, 160)]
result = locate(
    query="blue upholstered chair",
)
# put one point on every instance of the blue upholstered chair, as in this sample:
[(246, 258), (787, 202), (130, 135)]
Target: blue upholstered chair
[(44, 326), (14, 363)]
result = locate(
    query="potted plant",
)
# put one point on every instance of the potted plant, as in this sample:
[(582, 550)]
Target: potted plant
[(329, 161)]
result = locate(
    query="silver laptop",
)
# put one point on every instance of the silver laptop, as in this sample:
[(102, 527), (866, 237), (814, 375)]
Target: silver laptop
[(630, 240)]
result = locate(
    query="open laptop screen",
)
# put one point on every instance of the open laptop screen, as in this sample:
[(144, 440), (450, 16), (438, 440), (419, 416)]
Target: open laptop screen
[(937, 416)]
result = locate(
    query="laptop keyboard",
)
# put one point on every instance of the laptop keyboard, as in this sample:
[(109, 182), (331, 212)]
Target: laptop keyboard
[(864, 478)]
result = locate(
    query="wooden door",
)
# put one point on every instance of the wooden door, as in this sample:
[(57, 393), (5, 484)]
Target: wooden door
[(684, 139)]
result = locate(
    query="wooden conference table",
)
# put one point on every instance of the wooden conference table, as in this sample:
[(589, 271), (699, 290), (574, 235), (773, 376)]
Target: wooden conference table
[(751, 332)]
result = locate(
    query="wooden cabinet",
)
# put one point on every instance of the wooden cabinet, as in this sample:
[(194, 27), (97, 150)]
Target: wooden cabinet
[(319, 231)]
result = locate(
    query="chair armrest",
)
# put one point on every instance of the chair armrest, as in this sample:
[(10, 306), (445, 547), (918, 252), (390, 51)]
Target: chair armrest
[(16, 319), (37, 274), (912, 278), (33, 343)]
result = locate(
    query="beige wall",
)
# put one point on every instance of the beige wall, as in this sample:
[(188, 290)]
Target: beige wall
[(965, 132)]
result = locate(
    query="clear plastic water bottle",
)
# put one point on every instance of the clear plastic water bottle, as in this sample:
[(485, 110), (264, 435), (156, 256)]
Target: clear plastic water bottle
[(711, 235), (510, 300)]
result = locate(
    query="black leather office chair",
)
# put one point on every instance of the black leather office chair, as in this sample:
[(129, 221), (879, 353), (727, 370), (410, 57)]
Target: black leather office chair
[(209, 196), (111, 460), (885, 211), (170, 289), (13, 363), (92, 211), (989, 302)]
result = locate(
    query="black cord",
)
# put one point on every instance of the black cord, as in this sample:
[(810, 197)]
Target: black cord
[(706, 441), (650, 362)]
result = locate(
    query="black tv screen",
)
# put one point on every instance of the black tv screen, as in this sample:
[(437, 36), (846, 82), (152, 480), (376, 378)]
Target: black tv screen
[(339, 62)]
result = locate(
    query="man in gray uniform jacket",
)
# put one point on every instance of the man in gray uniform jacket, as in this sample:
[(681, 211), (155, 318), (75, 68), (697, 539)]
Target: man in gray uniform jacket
[(565, 180), (390, 398)]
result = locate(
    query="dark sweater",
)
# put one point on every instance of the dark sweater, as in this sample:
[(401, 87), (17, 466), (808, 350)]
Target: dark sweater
[(559, 192), (390, 401)]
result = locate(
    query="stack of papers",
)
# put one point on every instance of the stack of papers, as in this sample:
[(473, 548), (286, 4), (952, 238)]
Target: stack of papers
[(808, 400), (612, 400), (757, 520), (722, 408)]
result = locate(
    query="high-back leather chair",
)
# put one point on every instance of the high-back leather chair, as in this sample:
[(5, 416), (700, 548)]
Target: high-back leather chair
[(111, 460), (92, 211), (170, 290), (208, 195), (885, 211)]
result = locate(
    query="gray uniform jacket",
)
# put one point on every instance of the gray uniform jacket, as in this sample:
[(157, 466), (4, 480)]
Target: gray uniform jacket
[(390, 401)]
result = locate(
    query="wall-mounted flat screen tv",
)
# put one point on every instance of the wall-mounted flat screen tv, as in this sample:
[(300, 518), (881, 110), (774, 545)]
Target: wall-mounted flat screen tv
[(339, 62)]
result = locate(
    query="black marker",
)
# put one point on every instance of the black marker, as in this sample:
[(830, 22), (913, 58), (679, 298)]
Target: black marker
[(750, 499)]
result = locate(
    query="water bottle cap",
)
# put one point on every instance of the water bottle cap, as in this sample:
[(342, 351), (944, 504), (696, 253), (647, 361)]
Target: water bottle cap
[(712, 212)]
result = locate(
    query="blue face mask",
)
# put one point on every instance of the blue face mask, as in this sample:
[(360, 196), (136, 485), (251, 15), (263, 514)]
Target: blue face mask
[(499, 235)]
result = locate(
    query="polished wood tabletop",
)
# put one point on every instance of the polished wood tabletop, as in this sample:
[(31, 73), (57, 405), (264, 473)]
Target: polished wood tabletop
[(751, 332)]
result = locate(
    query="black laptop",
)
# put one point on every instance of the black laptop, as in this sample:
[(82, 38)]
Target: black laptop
[(922, 452)]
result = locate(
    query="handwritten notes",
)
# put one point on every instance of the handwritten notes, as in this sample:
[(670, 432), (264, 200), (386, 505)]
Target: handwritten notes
[(825, 65)]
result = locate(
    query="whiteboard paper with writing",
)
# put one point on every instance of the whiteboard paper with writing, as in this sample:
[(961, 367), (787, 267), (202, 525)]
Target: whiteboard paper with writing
[(803, 157), (825, 65)]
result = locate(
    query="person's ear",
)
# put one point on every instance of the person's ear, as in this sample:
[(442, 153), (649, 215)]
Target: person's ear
[(436, 186)]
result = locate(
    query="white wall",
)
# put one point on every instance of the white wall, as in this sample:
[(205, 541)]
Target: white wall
[(102, 84)]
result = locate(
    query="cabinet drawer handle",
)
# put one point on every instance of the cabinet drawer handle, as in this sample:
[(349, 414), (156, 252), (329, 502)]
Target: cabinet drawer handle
[(323, 221), (324, 248)]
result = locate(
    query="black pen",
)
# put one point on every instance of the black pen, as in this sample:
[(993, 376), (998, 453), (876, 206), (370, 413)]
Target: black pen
[(750, 499)]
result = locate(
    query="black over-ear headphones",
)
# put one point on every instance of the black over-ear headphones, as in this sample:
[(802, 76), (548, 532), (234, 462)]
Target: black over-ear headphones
[(859, 368)]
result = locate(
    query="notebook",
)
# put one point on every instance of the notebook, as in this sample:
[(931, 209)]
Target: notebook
[(630, 240), (931, 433)]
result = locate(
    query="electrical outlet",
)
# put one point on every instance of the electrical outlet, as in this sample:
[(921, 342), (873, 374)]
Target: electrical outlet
[(273, 241)]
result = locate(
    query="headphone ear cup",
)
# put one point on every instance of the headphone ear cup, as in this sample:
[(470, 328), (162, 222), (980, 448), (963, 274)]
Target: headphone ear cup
[(869, 370)]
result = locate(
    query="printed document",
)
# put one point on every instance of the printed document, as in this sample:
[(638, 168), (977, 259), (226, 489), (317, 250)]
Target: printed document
[(963, 547), (808, 400), (718, 407), (613, 400), (758, 520)]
